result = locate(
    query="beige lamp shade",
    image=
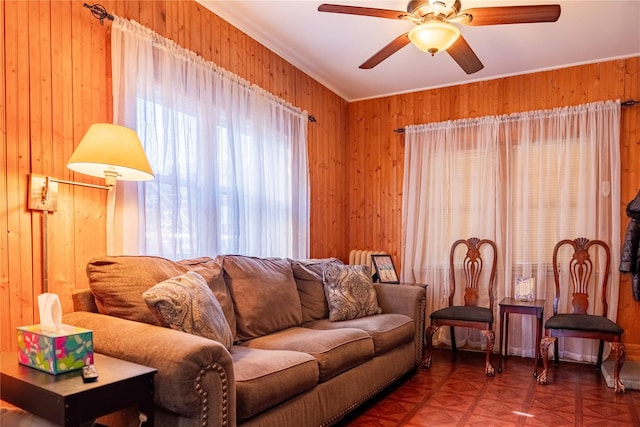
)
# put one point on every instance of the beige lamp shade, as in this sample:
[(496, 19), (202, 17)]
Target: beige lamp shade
[(434, 36), (113, 152)]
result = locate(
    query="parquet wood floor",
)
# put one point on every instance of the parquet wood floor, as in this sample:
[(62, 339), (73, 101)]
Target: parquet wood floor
[(456, 393)]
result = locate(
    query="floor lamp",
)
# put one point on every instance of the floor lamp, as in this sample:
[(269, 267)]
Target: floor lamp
[(107, 151)]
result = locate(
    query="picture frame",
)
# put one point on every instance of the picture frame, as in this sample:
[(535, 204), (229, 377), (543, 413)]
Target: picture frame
[(525, 288), (385, 271)]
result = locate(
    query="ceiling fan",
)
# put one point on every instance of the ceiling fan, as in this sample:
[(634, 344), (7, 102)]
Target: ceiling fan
[(435, 30)]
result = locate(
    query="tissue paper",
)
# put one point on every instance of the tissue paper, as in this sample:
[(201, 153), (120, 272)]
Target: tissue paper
[(50, 312)]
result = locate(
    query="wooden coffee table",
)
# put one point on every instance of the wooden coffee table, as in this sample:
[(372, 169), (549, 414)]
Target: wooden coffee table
[(66, 400)]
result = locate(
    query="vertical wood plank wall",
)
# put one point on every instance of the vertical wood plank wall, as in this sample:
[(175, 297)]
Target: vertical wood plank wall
[(376, 152), (56, 82)]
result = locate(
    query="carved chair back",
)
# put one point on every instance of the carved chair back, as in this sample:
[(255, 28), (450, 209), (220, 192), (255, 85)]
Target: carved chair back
[(472, 270), (580, 272)]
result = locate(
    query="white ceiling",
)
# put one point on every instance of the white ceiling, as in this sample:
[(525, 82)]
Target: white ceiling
[(330, 47)]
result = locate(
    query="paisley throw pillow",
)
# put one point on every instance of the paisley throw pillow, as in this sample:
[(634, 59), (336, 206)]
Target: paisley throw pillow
[(186, 303), (349, 291)]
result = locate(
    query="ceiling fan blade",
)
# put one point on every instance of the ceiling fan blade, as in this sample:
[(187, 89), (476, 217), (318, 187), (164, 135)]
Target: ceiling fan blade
[(466, 58), (511, 14), (364, 11), (397, 44)]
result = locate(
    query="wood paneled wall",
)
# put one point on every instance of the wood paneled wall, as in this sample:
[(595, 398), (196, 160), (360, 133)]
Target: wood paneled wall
[(56, 82), (376, 152)]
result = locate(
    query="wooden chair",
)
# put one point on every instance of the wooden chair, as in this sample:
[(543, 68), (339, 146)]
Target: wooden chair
[(470, 315), (579, 323)]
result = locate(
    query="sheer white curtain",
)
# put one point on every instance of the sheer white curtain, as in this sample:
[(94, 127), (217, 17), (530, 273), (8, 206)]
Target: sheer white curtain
[(538, 178), (230, 159), (452, 175)]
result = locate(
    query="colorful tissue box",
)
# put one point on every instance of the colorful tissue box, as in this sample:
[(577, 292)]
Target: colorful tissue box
[(55, 352)]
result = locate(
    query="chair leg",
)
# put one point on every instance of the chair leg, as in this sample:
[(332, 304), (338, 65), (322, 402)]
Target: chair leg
[(619, 350), (600, 351), (556, 353), (491, 339), (426, 362), (545, 342), (453, 339)]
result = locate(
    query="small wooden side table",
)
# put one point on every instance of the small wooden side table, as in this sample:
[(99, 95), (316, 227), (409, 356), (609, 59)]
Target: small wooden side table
[(66, 400), (515, 306)]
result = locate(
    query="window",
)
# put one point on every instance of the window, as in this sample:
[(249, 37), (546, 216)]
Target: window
[(211, 190), (535, 190), (230, 158)]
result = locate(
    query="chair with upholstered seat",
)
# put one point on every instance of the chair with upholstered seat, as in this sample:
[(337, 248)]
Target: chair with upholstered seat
[(583, 322), (471, 314)]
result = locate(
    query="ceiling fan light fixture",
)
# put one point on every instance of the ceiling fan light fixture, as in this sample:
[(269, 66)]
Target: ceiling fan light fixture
[(434, 36)]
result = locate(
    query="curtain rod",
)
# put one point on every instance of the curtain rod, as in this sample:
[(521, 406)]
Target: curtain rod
[(99, 12), (627, 103)]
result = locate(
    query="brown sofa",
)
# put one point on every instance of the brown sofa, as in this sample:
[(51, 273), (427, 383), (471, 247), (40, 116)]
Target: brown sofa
[(288, 365)]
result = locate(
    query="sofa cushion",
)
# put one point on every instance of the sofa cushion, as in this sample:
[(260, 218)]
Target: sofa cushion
[(265, 378), (117, 283), (349, 291), (264, 295), (336, 351), (308, 277), (186, 303), (388, 330)]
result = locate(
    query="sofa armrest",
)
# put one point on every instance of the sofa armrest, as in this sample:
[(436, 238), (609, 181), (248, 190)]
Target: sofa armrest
[(195, 374), (403, 299), (408, 300)]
